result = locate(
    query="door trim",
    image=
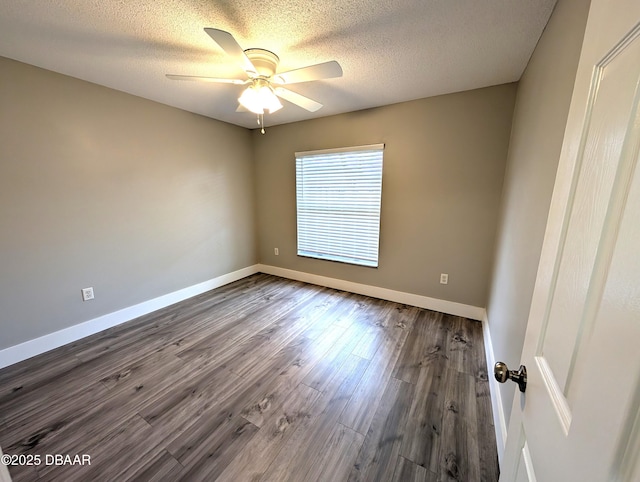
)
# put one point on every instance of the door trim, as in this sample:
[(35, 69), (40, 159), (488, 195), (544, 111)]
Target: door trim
[(499, 418)]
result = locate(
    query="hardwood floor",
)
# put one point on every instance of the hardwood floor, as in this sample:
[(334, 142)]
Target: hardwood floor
[(263, 379)]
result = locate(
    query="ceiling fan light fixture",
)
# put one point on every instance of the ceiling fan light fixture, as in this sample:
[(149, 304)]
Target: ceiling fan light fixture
[(250, 100), (260, 97), (269, 99)]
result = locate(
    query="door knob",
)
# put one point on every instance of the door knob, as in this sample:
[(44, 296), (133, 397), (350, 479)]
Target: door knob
[(502, 373)]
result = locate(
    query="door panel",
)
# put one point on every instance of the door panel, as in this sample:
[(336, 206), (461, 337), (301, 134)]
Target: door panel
[(598, 164)]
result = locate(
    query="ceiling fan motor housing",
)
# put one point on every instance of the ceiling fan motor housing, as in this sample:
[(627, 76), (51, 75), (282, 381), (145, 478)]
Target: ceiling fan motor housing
[(265, 61)]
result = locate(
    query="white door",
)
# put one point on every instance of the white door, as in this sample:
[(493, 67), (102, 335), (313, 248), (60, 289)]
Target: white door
[(4, 472), (579, 417)]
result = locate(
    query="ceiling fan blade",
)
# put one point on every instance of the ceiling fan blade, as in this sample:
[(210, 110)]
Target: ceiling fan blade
[(325, 70), (226, 41), (241, 108), (297, 99), (206, 79)]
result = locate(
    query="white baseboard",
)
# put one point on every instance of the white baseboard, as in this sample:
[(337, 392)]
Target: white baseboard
[(37, 346), (450, 307), (28, 349), (499, 420)]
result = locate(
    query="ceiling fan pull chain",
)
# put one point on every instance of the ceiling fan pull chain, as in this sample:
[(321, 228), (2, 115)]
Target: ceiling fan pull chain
[(261, 122)]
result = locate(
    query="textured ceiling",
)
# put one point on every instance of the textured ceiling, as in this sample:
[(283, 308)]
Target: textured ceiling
[(390, 51)]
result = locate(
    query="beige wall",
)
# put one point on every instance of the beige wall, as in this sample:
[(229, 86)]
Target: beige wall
[(100, 188), (542, 105), (442, 178)]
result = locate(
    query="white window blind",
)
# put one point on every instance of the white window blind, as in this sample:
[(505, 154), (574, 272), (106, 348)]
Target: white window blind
[(338, 199)]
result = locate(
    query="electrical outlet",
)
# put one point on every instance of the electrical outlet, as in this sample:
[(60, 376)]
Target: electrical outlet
[(87, 294), (444, 278), (276, 251)]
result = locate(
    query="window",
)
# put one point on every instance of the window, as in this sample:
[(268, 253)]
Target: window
[(338, 196)]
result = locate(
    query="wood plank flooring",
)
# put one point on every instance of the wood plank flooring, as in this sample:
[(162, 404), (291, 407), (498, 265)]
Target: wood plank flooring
[(264, 379)]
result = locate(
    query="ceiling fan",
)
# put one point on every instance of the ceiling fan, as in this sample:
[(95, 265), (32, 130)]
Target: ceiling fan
[(264, 85)]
